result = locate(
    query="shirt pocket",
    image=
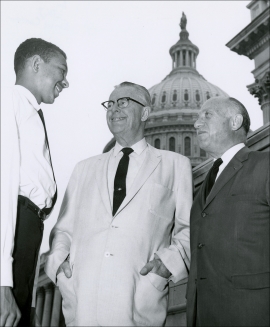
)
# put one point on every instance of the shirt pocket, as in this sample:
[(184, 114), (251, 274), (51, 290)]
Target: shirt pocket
[(162, 203)]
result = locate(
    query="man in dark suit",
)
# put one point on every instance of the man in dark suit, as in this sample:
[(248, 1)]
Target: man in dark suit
[(229, 274)]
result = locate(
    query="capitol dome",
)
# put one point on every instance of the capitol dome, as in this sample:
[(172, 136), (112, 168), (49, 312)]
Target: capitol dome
[(176, 101)]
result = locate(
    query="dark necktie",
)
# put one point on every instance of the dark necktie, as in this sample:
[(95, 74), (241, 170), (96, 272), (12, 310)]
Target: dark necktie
[(211, 177), (48, 210), (119, 192)]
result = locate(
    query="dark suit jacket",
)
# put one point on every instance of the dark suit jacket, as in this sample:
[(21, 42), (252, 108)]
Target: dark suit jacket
[(229, 274)]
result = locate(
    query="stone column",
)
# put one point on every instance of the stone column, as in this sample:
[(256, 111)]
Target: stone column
[(40, 303), (46, 318), (187, 58), (175, 59), (261, 90), (266, 111), (172, 63), (181, 58), (56, 309), (192, 59)]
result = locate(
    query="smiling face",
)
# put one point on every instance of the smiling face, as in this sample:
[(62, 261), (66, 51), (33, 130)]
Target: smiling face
[(51, 79), (214, 129), (127, 125)]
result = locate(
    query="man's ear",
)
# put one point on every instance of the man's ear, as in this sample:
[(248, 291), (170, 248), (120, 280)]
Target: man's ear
[(237, 122), (145, 113), (36, 60)]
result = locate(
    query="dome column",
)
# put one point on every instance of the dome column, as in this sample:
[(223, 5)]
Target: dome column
[(187, 58), (181, 58)]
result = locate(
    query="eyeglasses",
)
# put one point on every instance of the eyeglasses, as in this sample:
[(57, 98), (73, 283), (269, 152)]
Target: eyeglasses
[(121, 103)]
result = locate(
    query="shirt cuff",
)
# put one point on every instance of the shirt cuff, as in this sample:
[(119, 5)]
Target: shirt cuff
[(6, 272), (174, 263)]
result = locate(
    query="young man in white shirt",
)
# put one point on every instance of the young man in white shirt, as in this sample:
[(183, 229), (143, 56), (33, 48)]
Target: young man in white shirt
[(28, 187)]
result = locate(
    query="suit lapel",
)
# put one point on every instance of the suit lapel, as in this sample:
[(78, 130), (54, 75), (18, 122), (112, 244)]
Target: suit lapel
[(102, 179), (230, 170), (151, 161)]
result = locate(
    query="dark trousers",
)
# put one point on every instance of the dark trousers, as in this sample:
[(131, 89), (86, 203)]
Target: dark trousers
[(28, 237)]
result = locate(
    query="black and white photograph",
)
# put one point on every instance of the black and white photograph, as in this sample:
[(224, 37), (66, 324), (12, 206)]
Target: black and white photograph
[(135, 185)]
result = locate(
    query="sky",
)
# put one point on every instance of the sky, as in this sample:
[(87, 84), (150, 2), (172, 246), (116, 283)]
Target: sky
[(109, 42)]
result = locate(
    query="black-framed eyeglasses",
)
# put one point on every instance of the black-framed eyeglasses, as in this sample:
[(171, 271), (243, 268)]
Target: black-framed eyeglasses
[(121, 103)]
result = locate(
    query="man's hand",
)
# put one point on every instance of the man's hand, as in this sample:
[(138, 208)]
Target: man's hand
[(157, 267), (65, 267), (10, 313)]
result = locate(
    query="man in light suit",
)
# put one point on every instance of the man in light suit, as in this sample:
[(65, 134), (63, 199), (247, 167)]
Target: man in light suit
[(124, 225), (229, 274)]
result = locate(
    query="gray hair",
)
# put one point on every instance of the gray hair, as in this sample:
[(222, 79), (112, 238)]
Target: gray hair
[(143, 92)]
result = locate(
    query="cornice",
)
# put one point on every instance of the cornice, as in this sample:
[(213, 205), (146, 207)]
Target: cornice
[(258, 27)]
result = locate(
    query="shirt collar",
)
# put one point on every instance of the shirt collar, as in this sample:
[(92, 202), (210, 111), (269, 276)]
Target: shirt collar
[(229, 154), (137, 147), (29, 96)]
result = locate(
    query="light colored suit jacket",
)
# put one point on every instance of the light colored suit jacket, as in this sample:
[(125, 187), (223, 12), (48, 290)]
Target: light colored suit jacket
[(107, 253)]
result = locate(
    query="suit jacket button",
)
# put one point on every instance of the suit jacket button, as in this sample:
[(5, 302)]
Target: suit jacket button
[(200, 245), (204, 214)]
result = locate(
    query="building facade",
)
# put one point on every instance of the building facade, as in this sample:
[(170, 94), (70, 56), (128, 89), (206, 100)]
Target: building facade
[(253, 42)]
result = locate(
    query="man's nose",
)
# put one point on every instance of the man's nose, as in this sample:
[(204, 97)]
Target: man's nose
[(65, 83), (115, 107), (198, 123)]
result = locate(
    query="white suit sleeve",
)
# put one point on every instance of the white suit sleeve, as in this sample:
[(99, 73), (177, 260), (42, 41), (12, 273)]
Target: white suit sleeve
[(61, 234), (177, 257), (10, 165)]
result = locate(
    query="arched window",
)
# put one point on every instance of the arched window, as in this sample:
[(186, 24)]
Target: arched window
[(174, 97), (163, 99), (154, 99), (202, 153), (187, 146), (207, 95), (186, 95), (197, 96), (157, 143), (172, 144)]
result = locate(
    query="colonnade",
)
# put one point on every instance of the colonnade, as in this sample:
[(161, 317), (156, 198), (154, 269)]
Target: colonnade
[(48, 305), (184, 58)]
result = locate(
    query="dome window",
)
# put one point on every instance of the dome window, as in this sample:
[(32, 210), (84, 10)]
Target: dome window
[(186, 97), (207, 95), (172, 144), (197, 96), (174, 98), (154, 99), (157, 143), (163, 99), (187, 146)]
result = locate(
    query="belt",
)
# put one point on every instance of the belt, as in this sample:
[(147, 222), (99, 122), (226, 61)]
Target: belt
[(31, 205)]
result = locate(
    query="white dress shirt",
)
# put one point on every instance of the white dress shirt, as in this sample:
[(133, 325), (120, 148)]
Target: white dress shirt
[(228, 155), (136, 159), (25, 166)]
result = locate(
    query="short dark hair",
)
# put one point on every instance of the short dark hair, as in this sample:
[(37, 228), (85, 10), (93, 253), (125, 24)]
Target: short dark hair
[(243, 111), (141, 89), (35, 46)]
